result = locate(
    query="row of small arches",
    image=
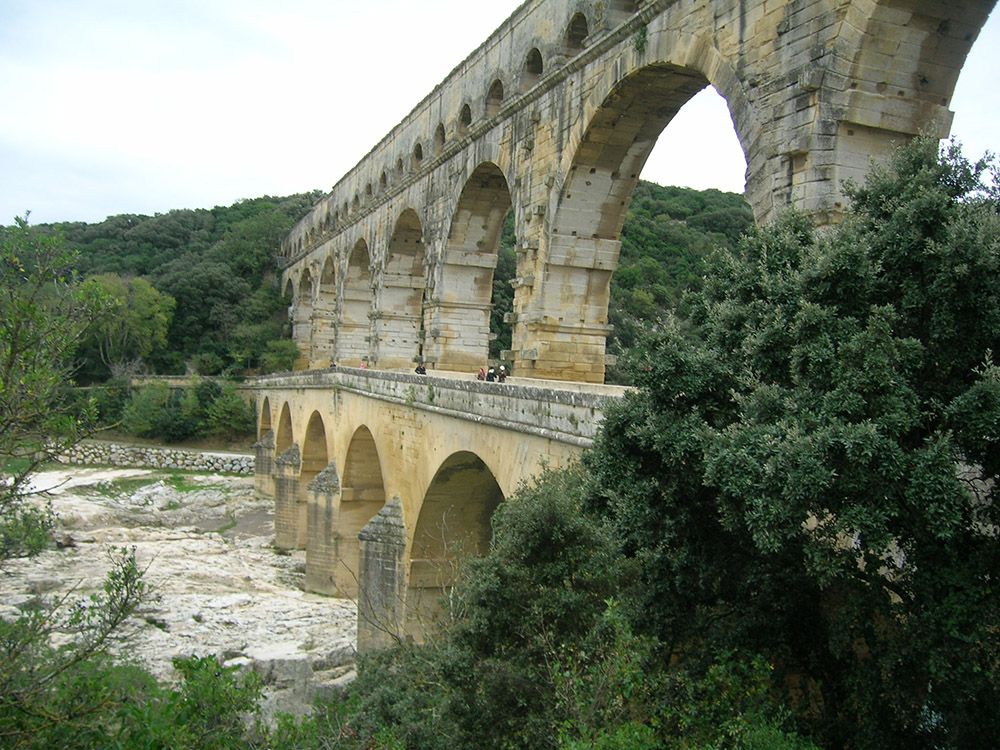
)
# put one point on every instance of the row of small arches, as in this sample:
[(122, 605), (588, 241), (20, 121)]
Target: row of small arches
[(574, 40)]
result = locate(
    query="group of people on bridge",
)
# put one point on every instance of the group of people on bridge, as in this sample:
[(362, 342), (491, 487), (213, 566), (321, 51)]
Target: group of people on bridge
[(491, 375)]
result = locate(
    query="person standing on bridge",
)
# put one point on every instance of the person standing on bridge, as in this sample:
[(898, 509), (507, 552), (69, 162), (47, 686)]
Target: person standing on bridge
[(491, 375), (502, 373)]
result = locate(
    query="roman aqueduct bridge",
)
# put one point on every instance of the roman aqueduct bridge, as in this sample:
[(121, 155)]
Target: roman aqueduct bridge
[(551, 118)]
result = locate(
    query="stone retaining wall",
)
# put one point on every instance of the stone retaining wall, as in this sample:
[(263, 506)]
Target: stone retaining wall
[(114, 454)]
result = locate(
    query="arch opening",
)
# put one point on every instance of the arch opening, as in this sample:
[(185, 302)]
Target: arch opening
[(585, 238), (355, 326), (458, 317), (264, 420), (494, 98), (577, 32), (439, 139), (283, 438), (324, 328), (465, 118), (399, 326), (454, 524), (362, 496), (533, 69), (302, 320), (314, 459)]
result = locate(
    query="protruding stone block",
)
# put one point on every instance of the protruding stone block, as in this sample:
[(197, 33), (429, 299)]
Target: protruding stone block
[(322, 556), (264, 463), (286, 494), (382, 578)]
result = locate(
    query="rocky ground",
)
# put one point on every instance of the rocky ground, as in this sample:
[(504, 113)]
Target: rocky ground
[(219, 587)]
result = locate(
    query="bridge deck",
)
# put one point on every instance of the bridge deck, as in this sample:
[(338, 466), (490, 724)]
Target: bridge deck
[(565, 411)]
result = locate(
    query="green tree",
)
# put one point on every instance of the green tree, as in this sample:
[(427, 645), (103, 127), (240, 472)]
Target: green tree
[(810, 475), (136, 324), (47, 688), (43, 317)]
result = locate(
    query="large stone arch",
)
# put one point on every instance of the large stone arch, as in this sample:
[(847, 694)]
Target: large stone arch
[(399, 326), (302, 318), (283, 436), (354, 337), (362, 495), (324, 317), (454, 522), (459, 312), (566, 324), (291, 520)]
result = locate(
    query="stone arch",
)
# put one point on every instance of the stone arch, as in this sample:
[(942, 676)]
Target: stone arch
[(459, 315), (533, 69), (583, 241), (355, 324), (439, 139), (494, 98), (264, 421), (324, 317), (577, 31), (302, 319), (314, 458), (383, 181), (283, 438), (464, 118), (454, 523), (362, 495), (417, 156), (399, 326)]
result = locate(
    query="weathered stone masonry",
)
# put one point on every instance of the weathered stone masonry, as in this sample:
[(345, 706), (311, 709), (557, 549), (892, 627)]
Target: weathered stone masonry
[(553, 117), (386, 478)]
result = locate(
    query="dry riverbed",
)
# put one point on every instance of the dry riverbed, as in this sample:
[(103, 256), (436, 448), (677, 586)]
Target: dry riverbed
[(218, 585)]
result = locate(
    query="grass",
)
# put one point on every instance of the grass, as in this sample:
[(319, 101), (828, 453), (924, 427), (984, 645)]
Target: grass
[(123, 486), (183, 483)]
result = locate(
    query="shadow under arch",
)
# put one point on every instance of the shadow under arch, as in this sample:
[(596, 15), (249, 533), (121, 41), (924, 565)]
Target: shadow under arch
[(264, 419), (362, 496), (283, 438), (399, 327), (455, 522), (355, 324), (459, 312), (314, 458)]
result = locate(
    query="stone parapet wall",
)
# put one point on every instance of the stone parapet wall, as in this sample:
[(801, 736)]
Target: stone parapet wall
[(92, 453), (569, 413)]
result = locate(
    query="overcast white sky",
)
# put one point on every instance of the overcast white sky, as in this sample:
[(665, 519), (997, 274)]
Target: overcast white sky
[(142, 106)]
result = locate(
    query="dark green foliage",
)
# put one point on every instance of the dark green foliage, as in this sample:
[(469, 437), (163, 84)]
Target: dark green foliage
[(215, 263), (667, 235), (176, 414), (790, 478), (279, 355), (208, 711), (66, 696), (43, 316), (229, 415)]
